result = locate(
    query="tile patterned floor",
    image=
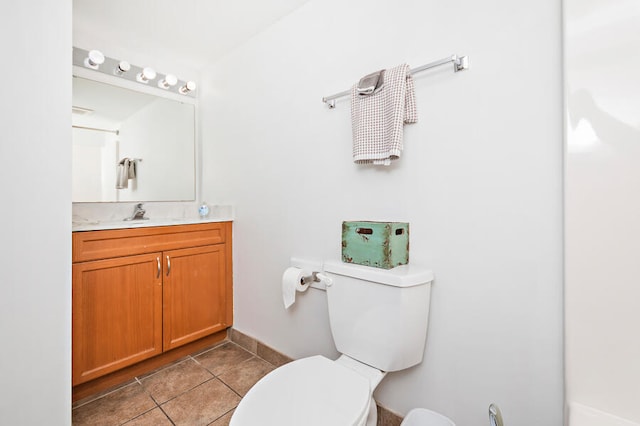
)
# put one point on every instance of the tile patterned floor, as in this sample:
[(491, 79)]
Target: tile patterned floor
[(201, 389)]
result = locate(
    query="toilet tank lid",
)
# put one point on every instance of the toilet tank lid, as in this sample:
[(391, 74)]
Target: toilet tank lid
[(400, 276)]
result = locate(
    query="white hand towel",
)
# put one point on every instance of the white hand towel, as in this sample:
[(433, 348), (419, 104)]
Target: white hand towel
[(122, 174), (378, 119), (131, 169)]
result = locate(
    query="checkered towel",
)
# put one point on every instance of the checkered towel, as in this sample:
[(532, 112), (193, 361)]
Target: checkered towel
[(378, 120)]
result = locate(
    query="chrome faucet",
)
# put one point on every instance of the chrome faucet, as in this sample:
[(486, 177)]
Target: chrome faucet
[(138, 213)]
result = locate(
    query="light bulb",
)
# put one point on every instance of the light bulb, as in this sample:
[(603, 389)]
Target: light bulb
[(168, 81), (94, 59), (123, 66), (189, 86), (146, 75)]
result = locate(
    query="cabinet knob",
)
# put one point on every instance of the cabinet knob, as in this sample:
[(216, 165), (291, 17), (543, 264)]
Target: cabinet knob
[(159, 267), (168, 266)]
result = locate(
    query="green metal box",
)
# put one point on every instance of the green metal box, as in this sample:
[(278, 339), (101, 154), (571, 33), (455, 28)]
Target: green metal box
[(380, 244)]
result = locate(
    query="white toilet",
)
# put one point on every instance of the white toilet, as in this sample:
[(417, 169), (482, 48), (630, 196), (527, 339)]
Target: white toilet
[(378, 320), (424, 417)]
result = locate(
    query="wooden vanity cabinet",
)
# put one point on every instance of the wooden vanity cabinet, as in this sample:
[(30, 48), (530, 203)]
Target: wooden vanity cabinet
[(138, 293), (117, 314), (194, 293)]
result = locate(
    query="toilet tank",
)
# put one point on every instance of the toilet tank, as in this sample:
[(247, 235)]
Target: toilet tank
[(379, 316)]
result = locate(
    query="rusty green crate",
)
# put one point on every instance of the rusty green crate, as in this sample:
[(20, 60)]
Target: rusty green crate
[(380, 244)]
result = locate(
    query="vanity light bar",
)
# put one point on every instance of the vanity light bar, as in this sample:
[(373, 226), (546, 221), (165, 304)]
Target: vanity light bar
[(96, 61)]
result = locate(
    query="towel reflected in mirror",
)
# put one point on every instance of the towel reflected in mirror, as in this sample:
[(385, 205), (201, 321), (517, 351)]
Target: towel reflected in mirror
[(126, 170)]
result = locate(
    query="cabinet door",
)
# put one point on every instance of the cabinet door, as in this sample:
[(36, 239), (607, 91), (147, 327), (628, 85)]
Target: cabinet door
[(194, 294), (117, 314)]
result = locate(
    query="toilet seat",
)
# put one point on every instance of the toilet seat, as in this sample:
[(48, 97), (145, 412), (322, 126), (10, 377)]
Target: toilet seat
[(312, 391)]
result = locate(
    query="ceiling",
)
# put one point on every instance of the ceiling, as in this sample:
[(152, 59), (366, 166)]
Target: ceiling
[(109, 105), (192, 32)]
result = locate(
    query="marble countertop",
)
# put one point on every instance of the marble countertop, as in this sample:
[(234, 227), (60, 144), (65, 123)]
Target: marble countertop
[(97, 225)]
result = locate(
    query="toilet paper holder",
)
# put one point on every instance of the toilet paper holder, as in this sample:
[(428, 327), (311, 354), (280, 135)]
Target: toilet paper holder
[(308, 279), (316, 279)]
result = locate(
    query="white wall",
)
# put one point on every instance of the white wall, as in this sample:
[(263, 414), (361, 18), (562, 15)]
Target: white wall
[(480, 182), (87, 151), (602, 207), (167, 169), (35, 147), (93, 172)]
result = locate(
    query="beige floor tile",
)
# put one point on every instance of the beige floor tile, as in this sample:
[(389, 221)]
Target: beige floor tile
[(114, 408), (224, 420), (202, 404), (246, 374), (388, 418), (154, 417), (223, 358), (175, 380)]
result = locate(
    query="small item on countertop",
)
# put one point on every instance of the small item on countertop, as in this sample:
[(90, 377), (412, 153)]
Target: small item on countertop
[(203, 210)]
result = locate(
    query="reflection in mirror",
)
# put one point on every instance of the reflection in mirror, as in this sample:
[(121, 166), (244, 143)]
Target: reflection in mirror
[(114, 128)]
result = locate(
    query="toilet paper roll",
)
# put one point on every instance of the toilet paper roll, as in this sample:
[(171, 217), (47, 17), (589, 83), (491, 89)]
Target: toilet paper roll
[(292, 282)]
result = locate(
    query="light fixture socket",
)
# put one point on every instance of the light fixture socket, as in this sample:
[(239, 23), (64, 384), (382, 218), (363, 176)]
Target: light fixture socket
[(146, 75), (168, 81), (189, 86), (122, 67), (94, 59)]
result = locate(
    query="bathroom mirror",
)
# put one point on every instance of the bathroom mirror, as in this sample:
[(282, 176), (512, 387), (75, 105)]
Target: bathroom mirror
[(156, 136)]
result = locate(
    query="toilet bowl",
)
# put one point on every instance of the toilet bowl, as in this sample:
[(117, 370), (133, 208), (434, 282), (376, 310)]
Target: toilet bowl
[(314, 391), (424, 417), (378, 320)]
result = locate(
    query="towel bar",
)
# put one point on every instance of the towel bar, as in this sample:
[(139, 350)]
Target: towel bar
[(460, 63)]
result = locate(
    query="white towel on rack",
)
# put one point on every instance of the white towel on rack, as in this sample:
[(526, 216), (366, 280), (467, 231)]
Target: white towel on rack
[(122, 174), (378, 119), (126, 169)]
